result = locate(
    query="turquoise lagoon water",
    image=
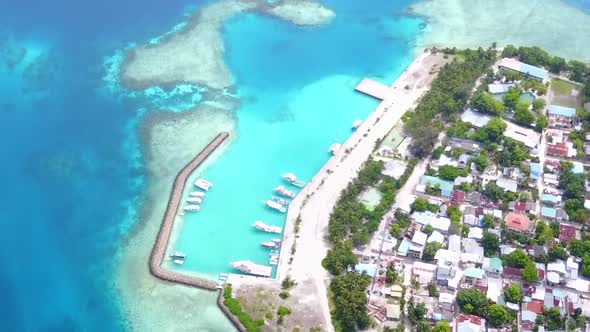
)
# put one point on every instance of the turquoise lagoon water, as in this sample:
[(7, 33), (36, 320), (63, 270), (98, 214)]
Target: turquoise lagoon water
[(296, 86)]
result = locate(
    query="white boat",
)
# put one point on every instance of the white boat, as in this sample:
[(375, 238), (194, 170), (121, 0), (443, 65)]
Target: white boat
[(178, 262), (274, 262), (275, 206), (194, 200), (261, 226), (250, 267), (192, 208), (270, 244), (197, 194), (356, 124), (334, 148), (178, 254), (280, 200), (277, 240), (292, 179), (202, 184), (281, 190)]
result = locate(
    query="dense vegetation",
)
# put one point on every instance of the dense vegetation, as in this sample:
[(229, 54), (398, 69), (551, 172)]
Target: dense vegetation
[(581, 248), (350, 300), (575, 188), (448, 95), (520, 260), (236, 309)]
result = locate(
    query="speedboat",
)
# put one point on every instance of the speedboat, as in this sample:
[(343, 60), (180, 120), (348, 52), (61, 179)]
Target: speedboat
[(194, 200), (275, 206), (197, 194), (203, 184), (250, 267), (261, 226), (178, 254), (356, 124), (192, 208), (281, 190), (178, 262), (334, 148)]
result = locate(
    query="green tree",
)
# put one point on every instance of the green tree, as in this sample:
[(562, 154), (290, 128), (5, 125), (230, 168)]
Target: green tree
[(430, 250), (522, 115), (432, 290), (490, 243), (442, 326), (420, 204), (541, 122), (448, 172), (517, 259), (428, 229), (493, 191), (538, 104), (557, 252), (416, 312), (529, 273), (339, 258), (513, 293), (350, 300), (477, 301), (487, 104), (481, 161), (497, 315), (493, 131), (396, 231), (391, 275), (511, 97), (488, 221)]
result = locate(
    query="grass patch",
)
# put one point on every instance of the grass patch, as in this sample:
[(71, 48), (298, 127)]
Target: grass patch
[(562, 87), (567, 102), (236, 309)]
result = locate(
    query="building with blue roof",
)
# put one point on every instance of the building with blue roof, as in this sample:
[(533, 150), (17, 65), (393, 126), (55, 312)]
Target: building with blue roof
[(548, 212), (536, 170), (560, 116), (523, 68), (578, 167), (446, 187), (368, 269), (549, 199)]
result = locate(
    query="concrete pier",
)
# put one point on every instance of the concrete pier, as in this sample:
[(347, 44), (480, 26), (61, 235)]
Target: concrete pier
[(373, 89)]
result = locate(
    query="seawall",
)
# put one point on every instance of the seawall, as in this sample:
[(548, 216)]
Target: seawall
[(161, 244)]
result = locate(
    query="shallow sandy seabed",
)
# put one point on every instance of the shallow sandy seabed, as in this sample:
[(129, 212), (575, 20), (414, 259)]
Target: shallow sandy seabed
[(170, 140), (195, 54), (553, 25)]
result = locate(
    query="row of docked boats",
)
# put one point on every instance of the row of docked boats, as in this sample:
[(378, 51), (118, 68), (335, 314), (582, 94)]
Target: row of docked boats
[(178, 257), (196, 197)]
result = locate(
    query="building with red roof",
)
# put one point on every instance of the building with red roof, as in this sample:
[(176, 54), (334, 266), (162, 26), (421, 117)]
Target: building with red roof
[(458, 196), (511, 272), (518, 223), (535, 306), (557, 149), (566, 232)]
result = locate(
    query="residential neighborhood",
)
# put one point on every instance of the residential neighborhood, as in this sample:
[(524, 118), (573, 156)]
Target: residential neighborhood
[(491, 231)]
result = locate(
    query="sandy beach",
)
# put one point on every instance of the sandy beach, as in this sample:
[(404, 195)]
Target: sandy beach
[(315, 203)]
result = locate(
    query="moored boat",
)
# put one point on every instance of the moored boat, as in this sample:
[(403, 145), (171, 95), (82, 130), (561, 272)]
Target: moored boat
[(356, 124), (194, 200), (281, 190), (261, 226), (192, 208), (250, 267), (178, 262), (197, 194), (178, 254), (269, 244), (275, 206), (334, 148), (203, 184), (280, 200), (292, 179)]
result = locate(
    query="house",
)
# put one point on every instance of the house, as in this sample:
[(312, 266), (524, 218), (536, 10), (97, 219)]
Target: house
[(423, 272), (518, 223), (578, 167), (550, 199), (474, 197), (512, 273), (507, 184), (535, 306), (566, 232), (467, 146), (571, 267), (462, 162), (458, 196), (548, 213), (475, 233), (528, 316), (455, 243), (500, 89), (473, 276), (436, 236), (440, 224), (556, 271), (463, 179), (536, 171), (470, 323), (417, 244), (392, 312), (560, 116), (562, 150), (475, 118), (521, 207), (528, 137), (446, 187), (493, 266), (523, 68), (396, 292), (403, 248)]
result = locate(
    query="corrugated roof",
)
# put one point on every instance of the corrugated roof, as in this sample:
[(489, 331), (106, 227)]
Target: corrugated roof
[(561, 110), (433, 181), (473, 272), (549, 198), (523, 68), (548, 212)]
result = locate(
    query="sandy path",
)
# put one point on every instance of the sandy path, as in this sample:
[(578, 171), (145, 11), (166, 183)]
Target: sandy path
[(317, 200)]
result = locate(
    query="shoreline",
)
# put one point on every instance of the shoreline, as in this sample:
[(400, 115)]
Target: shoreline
[(314, 203)]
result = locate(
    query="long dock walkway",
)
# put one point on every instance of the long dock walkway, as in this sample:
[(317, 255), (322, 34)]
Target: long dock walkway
[(161, 244), (373, 88)]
